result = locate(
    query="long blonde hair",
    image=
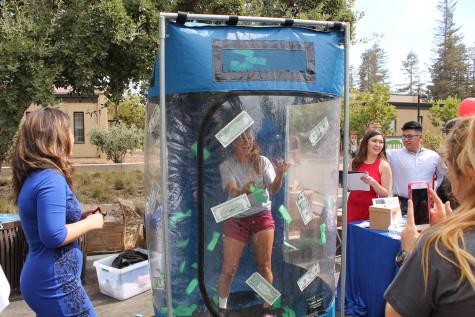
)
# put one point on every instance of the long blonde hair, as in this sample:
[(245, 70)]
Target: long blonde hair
[(459, 152), (44, 141)]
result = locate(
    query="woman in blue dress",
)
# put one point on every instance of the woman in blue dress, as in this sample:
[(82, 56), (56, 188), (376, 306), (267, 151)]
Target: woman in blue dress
[(51, 216)]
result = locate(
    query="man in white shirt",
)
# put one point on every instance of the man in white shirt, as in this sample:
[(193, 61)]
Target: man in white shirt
[(414, 163)]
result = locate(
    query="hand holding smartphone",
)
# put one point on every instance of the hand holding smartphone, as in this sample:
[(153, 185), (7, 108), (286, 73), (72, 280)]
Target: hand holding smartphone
[(419, 194)]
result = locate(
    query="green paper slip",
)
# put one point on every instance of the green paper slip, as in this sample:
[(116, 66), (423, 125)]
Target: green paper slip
[(182, 243), (214, 241), (178, 216), (194, 265), (191, 286), (180, 310), (194, 149), (290, 246), (285, 214), (323, 237), (260, 197), (182, 266)]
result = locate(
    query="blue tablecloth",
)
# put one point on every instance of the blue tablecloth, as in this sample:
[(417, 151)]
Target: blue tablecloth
[(370, 268)]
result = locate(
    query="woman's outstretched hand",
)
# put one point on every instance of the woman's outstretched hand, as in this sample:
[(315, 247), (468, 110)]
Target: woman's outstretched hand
[(281, 166)]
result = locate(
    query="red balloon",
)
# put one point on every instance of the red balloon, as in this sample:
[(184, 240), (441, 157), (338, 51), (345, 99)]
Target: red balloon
[(467, 107)]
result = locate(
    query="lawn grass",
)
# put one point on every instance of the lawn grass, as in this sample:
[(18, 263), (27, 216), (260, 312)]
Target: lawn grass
[(97, 187)]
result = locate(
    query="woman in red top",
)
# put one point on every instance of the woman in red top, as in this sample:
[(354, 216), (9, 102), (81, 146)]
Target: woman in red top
[(370, 158)]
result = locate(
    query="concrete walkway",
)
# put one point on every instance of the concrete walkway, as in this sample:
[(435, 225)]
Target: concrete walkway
[(105, 306)]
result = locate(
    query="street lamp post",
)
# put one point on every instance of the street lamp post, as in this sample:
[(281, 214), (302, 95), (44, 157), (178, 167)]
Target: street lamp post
[(418, 108), (419, 97)]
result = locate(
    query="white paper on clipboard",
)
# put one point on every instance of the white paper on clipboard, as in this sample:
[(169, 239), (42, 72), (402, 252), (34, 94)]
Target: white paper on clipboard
[(355, 182)]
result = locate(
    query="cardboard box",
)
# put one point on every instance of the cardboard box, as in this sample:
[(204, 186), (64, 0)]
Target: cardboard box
[(380, 216)]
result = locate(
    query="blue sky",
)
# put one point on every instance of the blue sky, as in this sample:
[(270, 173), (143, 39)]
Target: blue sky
[(407, 25)]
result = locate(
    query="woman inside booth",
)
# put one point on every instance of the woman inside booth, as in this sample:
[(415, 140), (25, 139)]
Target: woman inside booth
[(370, 158), (248, 172)]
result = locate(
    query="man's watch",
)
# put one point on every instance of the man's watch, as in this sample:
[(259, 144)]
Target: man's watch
[(400, 257)]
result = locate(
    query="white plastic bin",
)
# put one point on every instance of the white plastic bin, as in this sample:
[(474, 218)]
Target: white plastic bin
[(122, 283)]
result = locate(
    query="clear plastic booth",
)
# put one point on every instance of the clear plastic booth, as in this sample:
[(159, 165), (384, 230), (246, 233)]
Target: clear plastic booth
[(279, 85)]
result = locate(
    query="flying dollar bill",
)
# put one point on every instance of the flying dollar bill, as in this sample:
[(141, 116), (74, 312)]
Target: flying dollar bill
[(317, 133), (262, 287), (303, 207), (234, 128), (308, 277), (231, 208)]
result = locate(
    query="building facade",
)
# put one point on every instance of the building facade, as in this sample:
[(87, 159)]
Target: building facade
[(85, 113), (408, 108)]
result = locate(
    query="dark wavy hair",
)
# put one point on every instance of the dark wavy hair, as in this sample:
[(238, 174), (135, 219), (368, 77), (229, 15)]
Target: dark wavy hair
[(44, 141), (363, 149)]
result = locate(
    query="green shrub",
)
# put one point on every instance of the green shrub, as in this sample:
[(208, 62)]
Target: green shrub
[(116, 141), (432, 141)]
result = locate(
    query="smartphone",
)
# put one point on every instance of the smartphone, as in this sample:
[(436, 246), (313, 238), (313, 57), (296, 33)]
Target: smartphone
[(419, 193)]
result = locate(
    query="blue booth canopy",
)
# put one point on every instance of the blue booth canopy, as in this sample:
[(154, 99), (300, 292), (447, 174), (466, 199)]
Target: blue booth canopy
[(241, 58)]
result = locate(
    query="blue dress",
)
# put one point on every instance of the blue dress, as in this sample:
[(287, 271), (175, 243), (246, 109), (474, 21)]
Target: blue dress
[(50, 280)]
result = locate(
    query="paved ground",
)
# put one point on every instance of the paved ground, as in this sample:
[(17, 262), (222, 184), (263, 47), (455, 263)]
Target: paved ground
[(105, 306)]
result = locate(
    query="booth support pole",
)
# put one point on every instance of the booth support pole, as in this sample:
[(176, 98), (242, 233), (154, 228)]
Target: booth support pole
[(164, 167), (346, 139)]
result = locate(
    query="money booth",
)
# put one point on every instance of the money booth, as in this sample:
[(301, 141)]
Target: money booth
[(278, 84)]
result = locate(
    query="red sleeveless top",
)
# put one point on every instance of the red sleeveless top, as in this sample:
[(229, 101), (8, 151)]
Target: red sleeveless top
[(360, 200)]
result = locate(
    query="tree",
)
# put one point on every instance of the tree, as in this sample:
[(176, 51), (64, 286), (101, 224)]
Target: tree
[(78, 44), (411, 69), (116, 141), (27, 67), (449, 68), (372, 68), (444, 110), (471, 71), (132, 111), (367, 108), (104, 44)]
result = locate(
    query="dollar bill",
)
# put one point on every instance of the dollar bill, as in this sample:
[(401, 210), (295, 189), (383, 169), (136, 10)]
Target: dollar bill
[(152, 197), (317, 133), (230, 208), (262, 287), (234, 128), (303, 207), (308, 277), (158, 282)]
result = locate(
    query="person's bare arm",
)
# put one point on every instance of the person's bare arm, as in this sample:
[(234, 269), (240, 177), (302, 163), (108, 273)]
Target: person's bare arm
[(386, 179), (383, 189), (77, 229), (280, 169), (235, 191)]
